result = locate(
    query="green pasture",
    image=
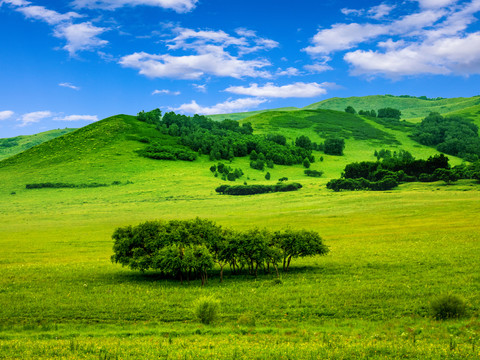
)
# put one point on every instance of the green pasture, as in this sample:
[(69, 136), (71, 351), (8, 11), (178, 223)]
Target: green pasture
[(15, 145), (413, 109), (391, 254)]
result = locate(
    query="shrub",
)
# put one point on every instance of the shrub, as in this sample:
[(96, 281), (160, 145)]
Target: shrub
[(267, 176), (448, 307), (313, 173), (207, 309), (334, 146)]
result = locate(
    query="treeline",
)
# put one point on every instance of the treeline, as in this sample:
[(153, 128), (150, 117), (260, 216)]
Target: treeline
[(160, 152), (228, 139), (387, 174), (257, 189), (387, 112), (452, 135), (59, 185), (187, 249)]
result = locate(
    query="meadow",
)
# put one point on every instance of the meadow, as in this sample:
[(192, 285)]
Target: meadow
[(391, 254)]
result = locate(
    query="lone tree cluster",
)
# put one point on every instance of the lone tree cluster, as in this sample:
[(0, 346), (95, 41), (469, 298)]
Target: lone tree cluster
[(191, 248)]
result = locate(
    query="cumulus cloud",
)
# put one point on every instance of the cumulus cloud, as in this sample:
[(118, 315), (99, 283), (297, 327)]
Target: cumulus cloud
[(49, 16), (218, 63), (452, 55), (80, 37), (380, 11), (269, 90), (68, 85), (204, 41), (435, 3), (165, 92), (34, 117), (180, 6), (432, 39), (238, 105), (6, 114), (77, 118)]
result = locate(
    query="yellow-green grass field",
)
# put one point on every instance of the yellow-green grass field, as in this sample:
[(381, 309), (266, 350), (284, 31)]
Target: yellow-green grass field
[(392, 253)]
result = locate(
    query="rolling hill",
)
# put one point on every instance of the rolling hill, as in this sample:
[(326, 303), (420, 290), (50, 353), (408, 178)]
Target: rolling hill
[(391, 253), (412, 108), (17, 144)]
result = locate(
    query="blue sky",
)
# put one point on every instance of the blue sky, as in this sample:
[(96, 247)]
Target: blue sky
[(68, 63)]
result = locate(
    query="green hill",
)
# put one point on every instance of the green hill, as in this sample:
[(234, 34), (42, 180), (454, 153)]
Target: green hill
[(17, 144), (411, 107), (391, 253), (243, 115)]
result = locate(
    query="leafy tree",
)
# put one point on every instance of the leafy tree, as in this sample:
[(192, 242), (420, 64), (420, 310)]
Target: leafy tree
[(334, 146), (389, 112), (306, 163), (349, 109), (303, 142), (267, 176), (298, 243)]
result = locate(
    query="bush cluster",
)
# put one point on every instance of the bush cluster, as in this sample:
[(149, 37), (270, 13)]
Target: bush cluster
[(256, 189), (227, 172), (160, 152), (190, 248), (386, 183), (313, 173), (452, 135), (387, 174), (448, 307)]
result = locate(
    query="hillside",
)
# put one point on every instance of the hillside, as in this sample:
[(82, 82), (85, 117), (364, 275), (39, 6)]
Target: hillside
[(17, 144), (411, 107), (243, 115), (391, 252)]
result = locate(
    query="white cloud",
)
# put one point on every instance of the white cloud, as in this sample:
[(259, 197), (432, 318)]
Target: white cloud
[(291, 71), (296, 90), (165, 92), (380, 11), (180, 6), (197, 40), (452, 55), (317, 68), (200, 87), (15, 2), (344, 36), (218, 63), (204, 41), (49, 16), (354, 12), (68, 85), (77, 118), (6, 114), (435, 3), (34, 117), (229, 106), (80, 37)]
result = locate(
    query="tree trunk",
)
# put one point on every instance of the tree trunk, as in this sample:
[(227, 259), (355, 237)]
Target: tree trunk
[(221, 273), (288, 264), (276, 269)]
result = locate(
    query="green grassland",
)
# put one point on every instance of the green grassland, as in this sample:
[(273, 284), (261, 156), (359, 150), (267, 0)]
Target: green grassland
[(243, 115), (17, 144), (391, 254), (413, 109)]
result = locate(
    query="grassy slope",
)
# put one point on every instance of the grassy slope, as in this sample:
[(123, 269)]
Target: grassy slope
[(391, 253), (24, 142), (412, 108), (243, 115)]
